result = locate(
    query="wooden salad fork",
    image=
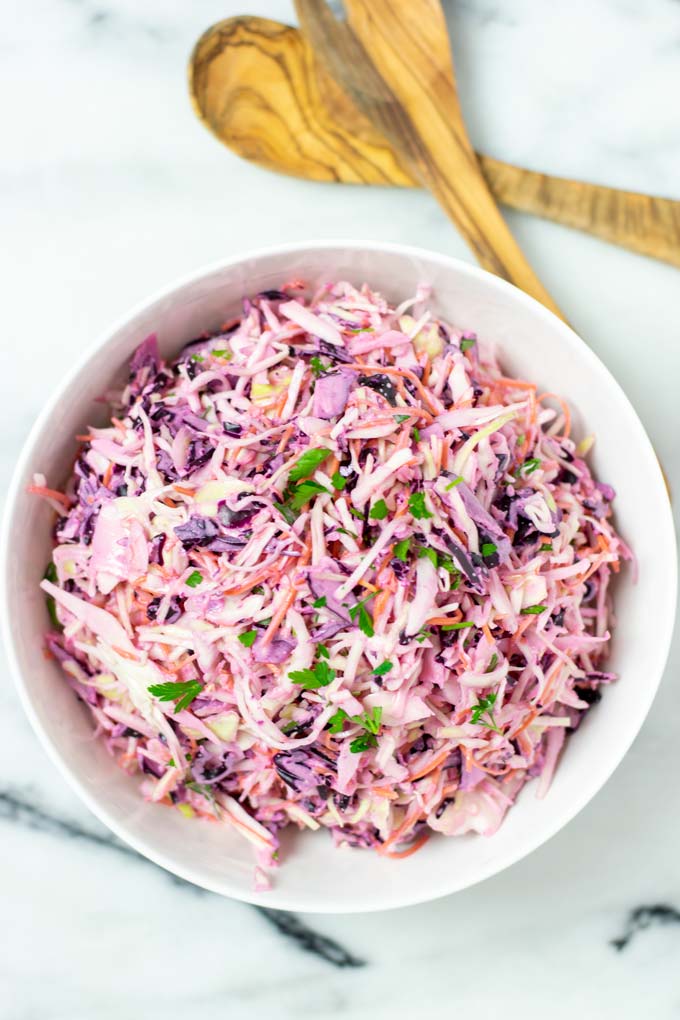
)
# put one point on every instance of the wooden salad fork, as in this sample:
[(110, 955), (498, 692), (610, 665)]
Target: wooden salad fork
[(256, 85), (394, 60)]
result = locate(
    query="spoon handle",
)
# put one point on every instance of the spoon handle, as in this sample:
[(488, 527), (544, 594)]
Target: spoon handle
[(644, 223), (409, 48)]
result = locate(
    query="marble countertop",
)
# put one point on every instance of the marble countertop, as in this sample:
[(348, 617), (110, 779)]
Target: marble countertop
[(110, 188)]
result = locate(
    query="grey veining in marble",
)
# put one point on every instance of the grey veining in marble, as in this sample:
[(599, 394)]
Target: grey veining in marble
[(109, 188)]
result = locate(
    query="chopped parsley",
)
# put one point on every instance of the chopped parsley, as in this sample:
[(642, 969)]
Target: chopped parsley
[(320, 602), (194, 579), (51, 575), (197, 357), (401, 549), (428, 554), (182, 692), (546, 547), (248, 638), (308, 462), (287, 512), (317, 366), (484, 707), (383, 668), (530, 465), (322, 652), (466, 343), (453, 483), (304, 492), (533, 610), (493, 662), (338, 480), (221, 353), (371, 723), (378, 511), (321, 676), (462, 625), (416, 435), (365, 622), (488, 549), (336, 721), (362, 743), (399, 418), (416, 504)]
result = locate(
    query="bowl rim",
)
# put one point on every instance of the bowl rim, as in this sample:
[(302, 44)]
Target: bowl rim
[(100, 810)]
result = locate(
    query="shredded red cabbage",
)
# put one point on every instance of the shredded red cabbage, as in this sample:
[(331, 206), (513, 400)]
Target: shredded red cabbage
[(330, 567)]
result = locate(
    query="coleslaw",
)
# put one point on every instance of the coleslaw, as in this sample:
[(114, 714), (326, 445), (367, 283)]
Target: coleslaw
[(331, 568)]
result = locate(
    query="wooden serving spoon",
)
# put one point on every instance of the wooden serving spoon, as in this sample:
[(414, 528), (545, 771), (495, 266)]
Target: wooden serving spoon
[(256, 85)]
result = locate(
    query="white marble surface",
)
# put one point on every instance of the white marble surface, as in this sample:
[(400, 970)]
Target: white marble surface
[(110, 188)]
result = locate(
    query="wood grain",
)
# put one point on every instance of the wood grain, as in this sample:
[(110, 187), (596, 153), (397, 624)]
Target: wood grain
[(256, 85)]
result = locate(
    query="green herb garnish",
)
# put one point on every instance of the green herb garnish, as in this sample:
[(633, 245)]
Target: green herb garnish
[(365, 621), (416, 504), (466, 343), (401, 549), (416, 435), (546, 547), (197, 357), (321, 676), (530, 465), (320, 602), (488, 549), (453, 483), (399, 418), (308, 462), (383, 668), (287, 512), (317, 366), (51, 575), (533, 610), (304, 492), (338, 480), (336, 721), (362, 743), (429, 554), (182, 692), (248, 638), (378, 511), (493, 662), (462, 625), (484, 708), (322, 652), (221, 353), (194, 579), (371, 723)]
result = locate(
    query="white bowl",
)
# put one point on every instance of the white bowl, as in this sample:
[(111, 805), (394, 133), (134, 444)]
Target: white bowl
[(533, 344)]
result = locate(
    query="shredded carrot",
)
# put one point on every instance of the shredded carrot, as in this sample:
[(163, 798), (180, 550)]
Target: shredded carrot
[(42, 490), (287, 601), (442, 621), (436, 761), (399, 854)]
